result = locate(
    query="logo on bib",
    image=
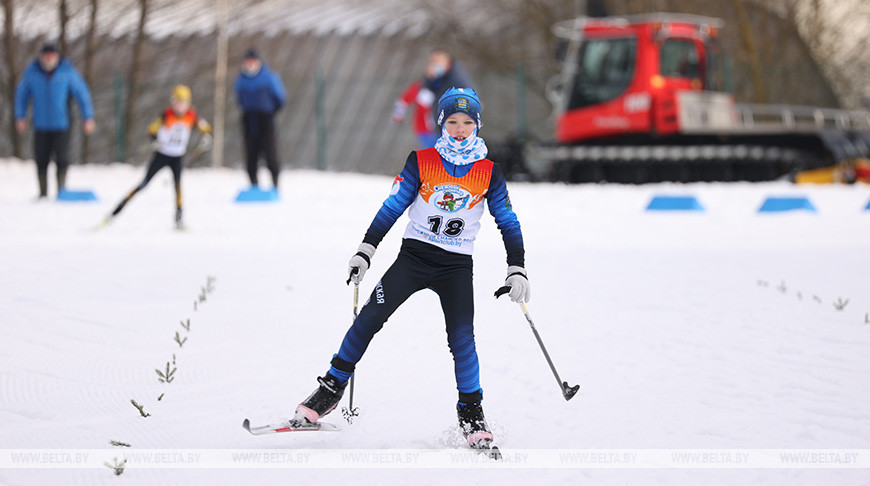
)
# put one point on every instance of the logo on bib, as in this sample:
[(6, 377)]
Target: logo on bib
[(451, 198)]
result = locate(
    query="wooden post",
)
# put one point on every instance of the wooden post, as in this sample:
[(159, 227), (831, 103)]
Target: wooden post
[(220, 85)]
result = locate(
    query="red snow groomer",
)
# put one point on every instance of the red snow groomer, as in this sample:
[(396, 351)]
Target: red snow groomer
[(645, 99)]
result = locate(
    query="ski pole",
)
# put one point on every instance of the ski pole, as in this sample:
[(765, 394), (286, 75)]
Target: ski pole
[(567, 391), (349, 412)]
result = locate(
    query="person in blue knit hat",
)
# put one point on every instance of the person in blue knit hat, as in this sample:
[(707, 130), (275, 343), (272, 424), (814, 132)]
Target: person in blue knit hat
[(444, 189), (260, 93), (49, 82)]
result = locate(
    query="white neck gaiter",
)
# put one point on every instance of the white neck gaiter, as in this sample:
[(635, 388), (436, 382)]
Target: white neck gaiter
[(465, 152)]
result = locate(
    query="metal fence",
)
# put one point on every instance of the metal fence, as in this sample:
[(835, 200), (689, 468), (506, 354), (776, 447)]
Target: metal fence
[(341, 91)]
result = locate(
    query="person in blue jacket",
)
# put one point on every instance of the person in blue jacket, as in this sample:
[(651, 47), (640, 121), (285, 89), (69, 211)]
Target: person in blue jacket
[(260, 94), (444, 189), (48, 83)]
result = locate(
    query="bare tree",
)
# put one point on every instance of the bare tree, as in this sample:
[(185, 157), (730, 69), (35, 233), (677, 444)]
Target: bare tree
[(11, 44), (529, 21), (63, 17), (750, 51), (90, 49), (220, 89), (838, 35), (135, 67)]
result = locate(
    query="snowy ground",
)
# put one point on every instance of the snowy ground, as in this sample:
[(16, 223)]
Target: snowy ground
[(701, 332)]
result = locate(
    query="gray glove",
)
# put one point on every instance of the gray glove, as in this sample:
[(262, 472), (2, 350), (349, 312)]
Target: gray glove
[(521, 290), (206, 141), (360, 262)]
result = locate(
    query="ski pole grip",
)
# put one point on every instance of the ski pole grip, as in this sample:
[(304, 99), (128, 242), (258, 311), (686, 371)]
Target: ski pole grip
[(502, 290), (352, 273)]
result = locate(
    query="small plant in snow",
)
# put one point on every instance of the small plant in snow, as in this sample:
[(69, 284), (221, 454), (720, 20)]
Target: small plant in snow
[(782, 288), (194, 306), (840, 304), (817, 299), (867, 318), (168, 376), (761, 283), (800, 296), (117, 467), (160, 397), (140, 408), (186, 325), (118, 443), (179, 340)]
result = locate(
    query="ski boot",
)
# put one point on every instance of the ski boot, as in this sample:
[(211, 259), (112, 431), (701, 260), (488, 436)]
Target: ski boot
[(324, 400), (471, 419), (473, 424)]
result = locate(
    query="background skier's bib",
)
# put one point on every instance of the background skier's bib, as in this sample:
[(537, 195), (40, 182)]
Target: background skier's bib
[(174, 133)]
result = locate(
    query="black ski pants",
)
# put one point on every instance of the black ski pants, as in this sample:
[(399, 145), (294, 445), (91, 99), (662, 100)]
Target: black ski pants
[(420, 266), (259, 132), (158, 162), (46, 145)]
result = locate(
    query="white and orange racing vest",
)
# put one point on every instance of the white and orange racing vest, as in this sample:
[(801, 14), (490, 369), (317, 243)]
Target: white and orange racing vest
[(172, 131), (447, 209)]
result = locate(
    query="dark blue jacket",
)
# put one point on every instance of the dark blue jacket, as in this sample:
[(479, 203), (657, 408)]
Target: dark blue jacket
[(260, 93), (50, 94)]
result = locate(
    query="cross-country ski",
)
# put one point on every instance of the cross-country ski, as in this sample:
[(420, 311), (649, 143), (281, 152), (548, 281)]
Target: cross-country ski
[(487, 448), (288, 426)]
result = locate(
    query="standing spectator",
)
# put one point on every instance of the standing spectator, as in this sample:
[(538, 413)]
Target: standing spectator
[(442, 73), (260, 93), (48, 82), (422, 123)]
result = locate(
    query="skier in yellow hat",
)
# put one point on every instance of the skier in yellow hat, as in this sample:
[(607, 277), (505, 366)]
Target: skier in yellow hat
[(170, 134)]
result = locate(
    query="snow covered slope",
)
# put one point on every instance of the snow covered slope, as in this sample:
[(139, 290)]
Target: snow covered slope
[(688, 333)]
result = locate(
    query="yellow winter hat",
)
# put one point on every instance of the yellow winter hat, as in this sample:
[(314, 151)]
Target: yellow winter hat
[(181, 93)]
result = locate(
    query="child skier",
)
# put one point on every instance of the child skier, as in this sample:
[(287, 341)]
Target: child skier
[(444, 187), (170, 134)]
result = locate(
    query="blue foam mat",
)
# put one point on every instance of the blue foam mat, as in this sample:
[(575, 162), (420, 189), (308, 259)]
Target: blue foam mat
[(68, 195), (674, 203), (255, 194), (780, 204)]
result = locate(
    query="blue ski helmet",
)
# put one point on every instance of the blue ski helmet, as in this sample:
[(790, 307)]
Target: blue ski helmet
[(456, 100)]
